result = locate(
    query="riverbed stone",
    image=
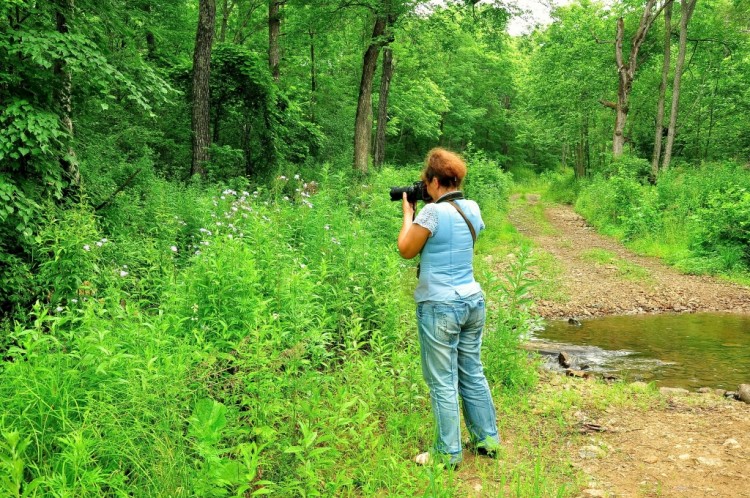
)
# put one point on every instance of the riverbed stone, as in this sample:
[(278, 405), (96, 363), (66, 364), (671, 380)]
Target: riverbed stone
[(591, 452), (709, 461), (564, 359), (743, 393), (732, 444), (705, 390), (673, 390)]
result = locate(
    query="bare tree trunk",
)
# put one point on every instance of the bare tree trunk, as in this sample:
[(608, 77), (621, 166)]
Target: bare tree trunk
[(363, 120), (274, 28), (662, 89), (385, 85), (686, 13), (69, 163), (226, 11), (313, 77), (626, 71), (204, 38)]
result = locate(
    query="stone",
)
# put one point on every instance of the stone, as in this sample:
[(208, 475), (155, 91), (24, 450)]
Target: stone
[(673, 390), (574, 321), (731, 443), (709, 462), (593, 493), (684, 456), (579, 374), (730, 394), (591, 452), (705, 390), (720, 392), (743, 393), (650, 459), (564, 359)]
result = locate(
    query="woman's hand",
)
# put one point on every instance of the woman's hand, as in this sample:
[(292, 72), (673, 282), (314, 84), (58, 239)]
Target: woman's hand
[(408, 207), (412, 238)]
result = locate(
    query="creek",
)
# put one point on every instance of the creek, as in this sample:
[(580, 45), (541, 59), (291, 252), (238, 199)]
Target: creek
[(675, 350)]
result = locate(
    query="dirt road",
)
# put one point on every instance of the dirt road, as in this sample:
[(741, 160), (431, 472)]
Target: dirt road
[(593, 275), (691, 445)]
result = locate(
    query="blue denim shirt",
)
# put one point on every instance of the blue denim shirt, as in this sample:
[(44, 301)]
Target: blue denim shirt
[(446, 262)]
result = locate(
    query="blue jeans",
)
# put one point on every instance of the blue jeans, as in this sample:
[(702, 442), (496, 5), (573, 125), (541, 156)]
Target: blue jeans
[(450, 338)]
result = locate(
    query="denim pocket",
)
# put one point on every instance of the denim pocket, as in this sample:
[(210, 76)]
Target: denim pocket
[(446, 323)]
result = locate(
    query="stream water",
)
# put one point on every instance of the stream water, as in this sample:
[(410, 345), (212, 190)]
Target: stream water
[(675, 350)]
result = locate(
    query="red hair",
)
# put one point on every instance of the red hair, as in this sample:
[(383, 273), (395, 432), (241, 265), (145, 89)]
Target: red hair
[(446, 166)]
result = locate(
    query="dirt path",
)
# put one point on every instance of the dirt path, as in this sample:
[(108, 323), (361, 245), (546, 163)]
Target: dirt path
[(596, 275), (692, 445)]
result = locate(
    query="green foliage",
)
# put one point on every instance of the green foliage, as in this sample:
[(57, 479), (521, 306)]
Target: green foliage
[(485, 181), (725, 224)]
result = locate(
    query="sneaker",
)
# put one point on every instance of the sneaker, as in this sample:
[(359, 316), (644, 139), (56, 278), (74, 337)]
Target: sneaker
[(426, 459)]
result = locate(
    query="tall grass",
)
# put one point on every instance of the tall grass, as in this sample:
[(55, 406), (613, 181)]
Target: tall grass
[(243, 340)]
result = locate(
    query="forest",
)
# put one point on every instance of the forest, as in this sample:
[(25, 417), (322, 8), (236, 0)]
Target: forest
[(200, 293)]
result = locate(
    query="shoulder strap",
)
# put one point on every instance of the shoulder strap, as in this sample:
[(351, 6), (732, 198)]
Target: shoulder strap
[(468, 223)]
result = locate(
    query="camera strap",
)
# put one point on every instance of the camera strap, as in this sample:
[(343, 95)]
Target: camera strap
[(449, 198)]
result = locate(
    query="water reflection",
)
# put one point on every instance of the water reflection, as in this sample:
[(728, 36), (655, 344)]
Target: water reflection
[(686, 350)]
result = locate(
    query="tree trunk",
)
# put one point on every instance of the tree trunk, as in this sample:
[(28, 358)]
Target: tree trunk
[(662, 89), (201, 121), (686, 13), (626, 72), (274, 28), (363, 120), (385, 85), (313, 77), (68, 163), (226, 11)]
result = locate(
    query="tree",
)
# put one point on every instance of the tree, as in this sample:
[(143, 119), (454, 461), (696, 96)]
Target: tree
[(626, 71), (385, 86), (274, 29), (201, 115), (363, 119), (69, 163), (688, 6), (662, 89)]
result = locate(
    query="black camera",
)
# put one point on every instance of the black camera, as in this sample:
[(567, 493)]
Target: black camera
[(415, 192)]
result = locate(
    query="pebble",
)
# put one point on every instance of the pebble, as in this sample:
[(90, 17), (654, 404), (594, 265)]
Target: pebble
[(594, 493), (710, 462), (673, 390), (650, 459), (591, 452), (732, 443), (684, 456)]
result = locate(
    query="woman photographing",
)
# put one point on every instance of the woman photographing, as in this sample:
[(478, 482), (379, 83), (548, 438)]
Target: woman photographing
[(450, 309)]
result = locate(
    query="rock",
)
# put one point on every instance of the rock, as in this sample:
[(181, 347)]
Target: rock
[(705, 390), (650, 459), (593, 493), (591, 452), (579, 374), (731, 443), (684, 456), (743, 393), (719, 392), (574, 321), (564, 359), (673, 390), (730, 394), (709, 462)]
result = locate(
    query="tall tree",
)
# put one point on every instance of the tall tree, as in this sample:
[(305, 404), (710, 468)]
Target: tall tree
[(687, 8), (69, 163), (363, 119), (201, 118), (662, 89), (385, 86), (626, 71), (274, 29)]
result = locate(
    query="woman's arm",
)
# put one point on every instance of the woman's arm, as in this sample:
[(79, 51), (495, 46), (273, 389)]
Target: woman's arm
[(412, 237)]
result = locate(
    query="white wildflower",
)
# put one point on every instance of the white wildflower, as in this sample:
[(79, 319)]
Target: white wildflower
[(59, 309), (99, 243), (123, 273), (296, 177), (174, 248), (86, 247)]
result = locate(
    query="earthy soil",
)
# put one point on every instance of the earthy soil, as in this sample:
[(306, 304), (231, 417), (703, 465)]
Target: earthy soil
[(692, 445)]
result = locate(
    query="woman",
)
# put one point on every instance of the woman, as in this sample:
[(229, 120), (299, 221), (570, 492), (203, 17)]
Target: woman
[(450, 309)]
